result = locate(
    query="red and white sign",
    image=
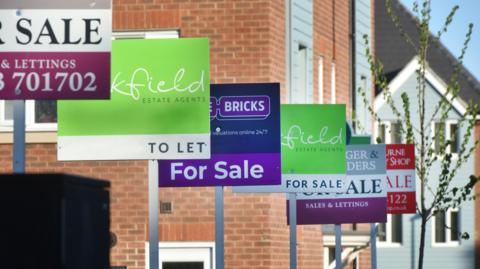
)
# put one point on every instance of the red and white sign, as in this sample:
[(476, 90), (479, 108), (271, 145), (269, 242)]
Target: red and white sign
[(401, 179), (58, 50)]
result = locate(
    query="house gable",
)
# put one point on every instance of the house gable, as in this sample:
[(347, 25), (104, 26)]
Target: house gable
[(406, 80)]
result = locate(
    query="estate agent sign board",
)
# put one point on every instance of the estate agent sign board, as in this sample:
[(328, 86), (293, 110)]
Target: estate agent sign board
[(55, 49), (363, 199), (245, 125), (313, 150), (159, 108), (401, 178)]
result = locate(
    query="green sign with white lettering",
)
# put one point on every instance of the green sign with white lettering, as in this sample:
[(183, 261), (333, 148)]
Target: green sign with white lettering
[(159, 107), (313, 139)]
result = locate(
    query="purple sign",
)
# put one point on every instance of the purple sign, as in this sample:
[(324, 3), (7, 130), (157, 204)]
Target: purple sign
[(363, 199), (245, 124), (55, 75), (337, 211), (55, 51), (221, 169)]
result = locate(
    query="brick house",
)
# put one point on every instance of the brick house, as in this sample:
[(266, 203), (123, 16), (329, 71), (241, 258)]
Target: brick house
[(305, 45)]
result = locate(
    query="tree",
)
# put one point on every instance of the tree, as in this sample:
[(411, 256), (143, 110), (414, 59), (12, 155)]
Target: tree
[(444, 193)]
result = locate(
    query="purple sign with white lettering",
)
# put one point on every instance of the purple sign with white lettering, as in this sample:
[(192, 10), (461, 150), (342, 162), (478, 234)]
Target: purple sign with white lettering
[(245, 126), (236, 169), (364, 195), (338, 211), (244, 106), (52, 50)]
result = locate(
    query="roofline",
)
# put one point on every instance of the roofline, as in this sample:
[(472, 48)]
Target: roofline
[(438, 84)]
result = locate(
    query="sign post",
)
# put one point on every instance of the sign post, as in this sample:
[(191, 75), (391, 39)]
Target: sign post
[(338, 246), (313, 157), (153, 214), (366, 140), (362, 198), (293, 229), (19, 136), (245, 123), (52, 50), (142, 119), (42, 59), (219, 228)]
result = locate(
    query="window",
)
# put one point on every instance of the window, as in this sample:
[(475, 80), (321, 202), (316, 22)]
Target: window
[(6, 113), (391, 232), (184, 255), (453, 135), (329, 257), (443, 131), (39, 115), (329, 261), (299, 93), (320, 80), (333, 86), (390, 132), (42, 115), (446, 228)]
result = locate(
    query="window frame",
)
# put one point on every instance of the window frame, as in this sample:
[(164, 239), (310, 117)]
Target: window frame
[(389, 234), (185, 251), (447, 132), (448, 222), (388, 127), (321, 99), (32, 126), (3, 121), (330, 264), (333, 83)]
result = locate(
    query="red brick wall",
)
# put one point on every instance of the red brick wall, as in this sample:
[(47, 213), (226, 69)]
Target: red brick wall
[(328, 28), (247, 44), (128, 195)]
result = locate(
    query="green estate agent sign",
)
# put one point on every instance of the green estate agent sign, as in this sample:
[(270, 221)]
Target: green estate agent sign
[(313, 139), (313, 147), (313, 150), (159, 107)]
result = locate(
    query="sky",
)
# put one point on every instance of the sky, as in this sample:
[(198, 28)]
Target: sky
[(468, 12)]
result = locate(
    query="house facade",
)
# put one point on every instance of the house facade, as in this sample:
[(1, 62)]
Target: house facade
[(399, 237), (305, 45)]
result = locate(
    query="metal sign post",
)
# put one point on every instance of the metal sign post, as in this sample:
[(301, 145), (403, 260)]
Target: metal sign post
[(293, 229), (19, 136), (219, 228), (153, 214), (338, 246), (373, 245)]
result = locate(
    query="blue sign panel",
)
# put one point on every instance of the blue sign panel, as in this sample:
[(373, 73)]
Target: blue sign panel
[(245, 130)]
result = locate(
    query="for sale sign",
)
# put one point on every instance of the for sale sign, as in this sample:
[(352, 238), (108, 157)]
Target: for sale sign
[(363, 198), (401, 178), (55, 49), (159, 107), (245, 124), (313, 140)]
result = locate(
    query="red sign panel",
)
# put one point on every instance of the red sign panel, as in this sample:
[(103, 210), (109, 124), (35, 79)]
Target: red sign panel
[(401, 179)]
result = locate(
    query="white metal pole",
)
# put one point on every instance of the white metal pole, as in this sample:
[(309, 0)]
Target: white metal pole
[(19, 136), (219, 228), (153, 213), (373, 245), (338, 246), (293, 229)]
